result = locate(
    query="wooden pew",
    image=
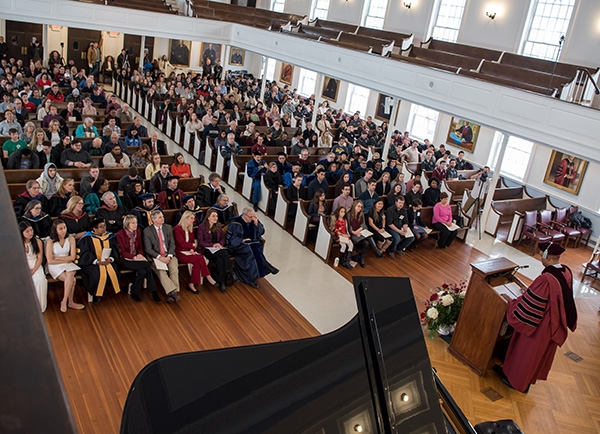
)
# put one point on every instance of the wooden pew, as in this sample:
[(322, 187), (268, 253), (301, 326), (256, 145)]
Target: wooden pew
[(502, 212), (502, 81), (401, 40), (377, 45), (465, 50), (527, 76), (427, 216), (424, 62), (319, 32), (342, 27), (541, 65), (445, 58), (510, 193), (302, 223)]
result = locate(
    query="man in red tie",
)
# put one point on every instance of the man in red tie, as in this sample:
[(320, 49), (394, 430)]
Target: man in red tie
[(157, 145), (159, 245)]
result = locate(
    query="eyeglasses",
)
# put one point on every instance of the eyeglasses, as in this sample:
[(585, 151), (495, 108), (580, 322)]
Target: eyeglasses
[(37, 208)]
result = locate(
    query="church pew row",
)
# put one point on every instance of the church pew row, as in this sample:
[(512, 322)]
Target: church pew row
[(188, 185), (461, 49), (326, 238), (444, 58), (503, 212)]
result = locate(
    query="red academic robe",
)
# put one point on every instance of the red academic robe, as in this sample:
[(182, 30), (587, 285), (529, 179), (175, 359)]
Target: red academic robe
[(540, 322)]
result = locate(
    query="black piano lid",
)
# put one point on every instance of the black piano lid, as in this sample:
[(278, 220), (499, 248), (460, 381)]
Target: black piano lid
[(371, 374)]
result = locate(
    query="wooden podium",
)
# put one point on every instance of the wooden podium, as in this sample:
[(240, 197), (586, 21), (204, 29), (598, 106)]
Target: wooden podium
[(482, 314)]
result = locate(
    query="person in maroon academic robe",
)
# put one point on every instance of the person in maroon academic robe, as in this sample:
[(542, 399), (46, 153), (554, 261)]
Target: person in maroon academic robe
[(540, 318)]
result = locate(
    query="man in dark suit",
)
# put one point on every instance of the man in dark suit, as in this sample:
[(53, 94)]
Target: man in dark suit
[(157, 145), (159, 245)]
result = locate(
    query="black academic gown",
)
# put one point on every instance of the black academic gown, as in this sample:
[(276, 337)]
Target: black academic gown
[(250, 262), (95, 276)]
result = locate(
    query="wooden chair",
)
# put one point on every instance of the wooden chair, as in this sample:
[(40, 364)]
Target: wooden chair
[(592, 267), (560, 223), (586, 233), (530, 230), (545, 224)]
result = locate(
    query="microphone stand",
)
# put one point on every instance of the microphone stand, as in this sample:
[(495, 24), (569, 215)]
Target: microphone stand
[(560, 42)]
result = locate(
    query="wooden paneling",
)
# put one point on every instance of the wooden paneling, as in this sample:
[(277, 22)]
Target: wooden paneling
[(18, 38), (133, 44), (79, 42)]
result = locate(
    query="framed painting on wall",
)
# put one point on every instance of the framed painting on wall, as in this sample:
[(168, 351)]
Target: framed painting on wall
[(331, 87), (287, 73), (463, 134), (565, 172), (179, 52), (210, 51), (236, 56)]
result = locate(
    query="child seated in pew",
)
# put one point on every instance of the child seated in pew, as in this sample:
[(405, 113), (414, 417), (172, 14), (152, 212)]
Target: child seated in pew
[(339, 226)]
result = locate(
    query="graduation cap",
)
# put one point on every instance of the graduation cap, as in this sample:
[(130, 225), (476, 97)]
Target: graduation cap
[(550, 249), (146, 196), (188, 197)]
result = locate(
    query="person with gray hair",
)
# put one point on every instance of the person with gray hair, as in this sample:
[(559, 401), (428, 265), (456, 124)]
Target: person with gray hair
[(87, 129), (159, 245), (244, 241), (112, 212)]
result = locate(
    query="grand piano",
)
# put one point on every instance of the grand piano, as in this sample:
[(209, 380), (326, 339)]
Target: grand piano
[(373, 375)]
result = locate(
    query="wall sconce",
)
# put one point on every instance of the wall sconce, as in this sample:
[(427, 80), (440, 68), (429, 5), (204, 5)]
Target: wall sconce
[(358, 428), (491, 15), (55, 28), (407, 5), (113, 34)]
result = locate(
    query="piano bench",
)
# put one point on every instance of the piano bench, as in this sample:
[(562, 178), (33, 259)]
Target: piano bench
[(499, 427)]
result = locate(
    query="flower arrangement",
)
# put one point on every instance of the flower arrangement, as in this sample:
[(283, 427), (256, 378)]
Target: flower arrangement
[(444, 305)]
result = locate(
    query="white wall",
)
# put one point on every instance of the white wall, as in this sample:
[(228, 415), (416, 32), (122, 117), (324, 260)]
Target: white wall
[(583, 40), (502, 33), (300, 7)]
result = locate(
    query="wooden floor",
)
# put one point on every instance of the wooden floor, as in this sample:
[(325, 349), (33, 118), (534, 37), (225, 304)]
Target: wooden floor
[(101, 349), (568, 403)]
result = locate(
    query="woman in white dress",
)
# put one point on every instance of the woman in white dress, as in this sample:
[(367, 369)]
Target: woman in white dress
[(34, 252), (60, 254)]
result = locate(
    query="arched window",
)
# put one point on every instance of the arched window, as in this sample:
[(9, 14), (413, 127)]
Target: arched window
[(547, 25)]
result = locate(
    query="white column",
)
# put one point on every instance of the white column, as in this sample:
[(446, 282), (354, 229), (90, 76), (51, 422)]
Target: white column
[(318, 87), (490, 196), (142, 47), (45, 42), (388, 136), (263, 81)]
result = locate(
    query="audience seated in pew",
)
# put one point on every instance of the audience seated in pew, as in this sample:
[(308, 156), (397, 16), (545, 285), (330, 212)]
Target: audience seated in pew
[(58, 202), (34, 251), (243, 239), (35, 217), (61, 256), (112, 212), (98, 257), (74, 217), (443, 221), (133, 258), (397, 227), (49, 181)]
